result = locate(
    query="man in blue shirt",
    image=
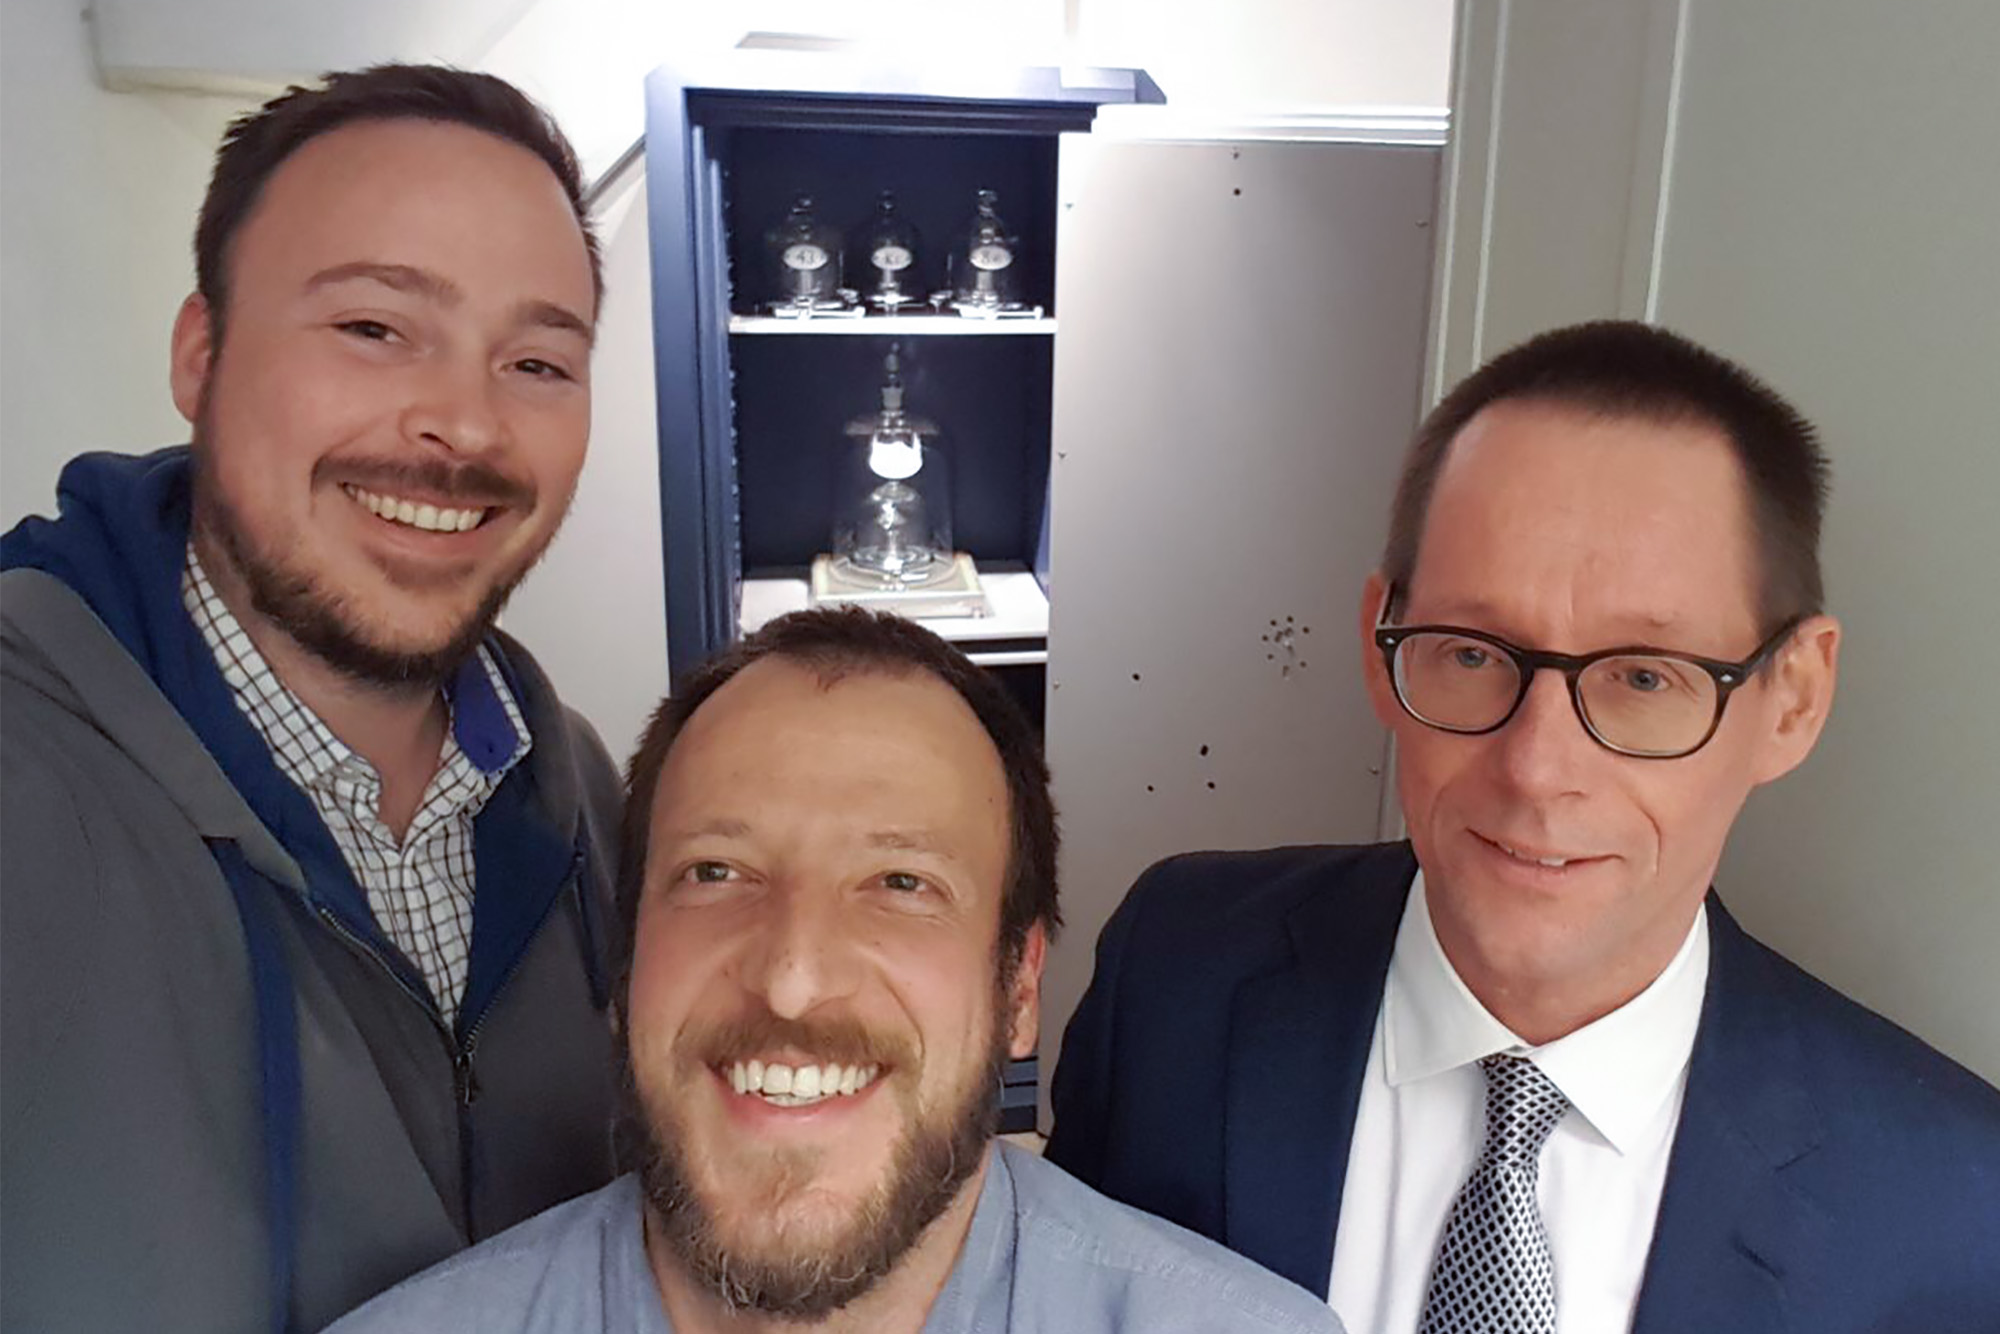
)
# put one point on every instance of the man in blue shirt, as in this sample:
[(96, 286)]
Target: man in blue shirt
[(838, 867)]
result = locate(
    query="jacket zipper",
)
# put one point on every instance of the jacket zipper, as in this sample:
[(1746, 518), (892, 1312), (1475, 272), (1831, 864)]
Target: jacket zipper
[(464, 1075)]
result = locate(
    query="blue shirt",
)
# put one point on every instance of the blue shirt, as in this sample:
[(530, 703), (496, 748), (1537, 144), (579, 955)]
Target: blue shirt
[(1045, 1255)]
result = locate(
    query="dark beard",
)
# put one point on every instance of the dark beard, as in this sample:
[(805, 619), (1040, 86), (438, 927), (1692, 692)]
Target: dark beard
[(322, 622), (928, 1169)]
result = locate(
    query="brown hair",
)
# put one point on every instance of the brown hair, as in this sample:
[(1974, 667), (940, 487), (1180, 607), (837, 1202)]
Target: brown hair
[(257, 144), (834, 644), (1619, 368)]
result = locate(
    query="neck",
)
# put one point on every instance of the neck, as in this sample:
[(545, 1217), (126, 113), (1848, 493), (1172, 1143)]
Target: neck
[(899, 1304), (1539, 1007), (399, 731)]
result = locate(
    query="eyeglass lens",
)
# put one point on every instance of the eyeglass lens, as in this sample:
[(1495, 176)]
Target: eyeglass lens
[(1645, 705)]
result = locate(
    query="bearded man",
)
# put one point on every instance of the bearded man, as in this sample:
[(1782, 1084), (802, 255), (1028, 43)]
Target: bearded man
[(304, 862), (839, 866)]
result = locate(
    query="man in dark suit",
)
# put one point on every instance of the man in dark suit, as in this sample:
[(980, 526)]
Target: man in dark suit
[(1523, 1072)]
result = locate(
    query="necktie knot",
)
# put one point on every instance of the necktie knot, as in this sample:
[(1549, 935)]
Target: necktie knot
[(1522, 1108)]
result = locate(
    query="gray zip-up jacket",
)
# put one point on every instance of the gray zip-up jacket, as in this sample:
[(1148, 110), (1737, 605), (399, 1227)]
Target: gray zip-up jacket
[(224, 1107)]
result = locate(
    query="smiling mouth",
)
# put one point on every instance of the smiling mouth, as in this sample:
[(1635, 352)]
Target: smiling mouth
[(783, 1085), (420, 515), (1529, 857)]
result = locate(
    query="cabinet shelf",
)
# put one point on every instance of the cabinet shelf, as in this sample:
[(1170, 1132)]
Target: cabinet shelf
[(892, 326), (1020, 611)]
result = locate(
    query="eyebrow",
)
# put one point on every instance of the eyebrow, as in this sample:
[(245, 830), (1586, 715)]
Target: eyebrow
[(532, 312), (909, 840), (724, 827), (1481, 610), (536, 313), (401, 277), (884, 840)]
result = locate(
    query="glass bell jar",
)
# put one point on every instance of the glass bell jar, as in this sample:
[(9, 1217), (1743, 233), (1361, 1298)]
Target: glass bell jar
[(885, 258), (802, 262), (983, 276), (892, 529)]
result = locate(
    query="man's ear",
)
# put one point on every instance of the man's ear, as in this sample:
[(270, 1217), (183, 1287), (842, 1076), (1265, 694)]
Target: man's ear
[(1802, 677), (1373, 672), (1024, 995), (193, 355)]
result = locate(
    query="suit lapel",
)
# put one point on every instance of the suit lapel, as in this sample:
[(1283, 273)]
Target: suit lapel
[(1299, 1048), (1730, 1228)]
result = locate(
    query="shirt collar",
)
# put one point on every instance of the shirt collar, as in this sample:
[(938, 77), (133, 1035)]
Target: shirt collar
[(484, 717), (1616, 1071)]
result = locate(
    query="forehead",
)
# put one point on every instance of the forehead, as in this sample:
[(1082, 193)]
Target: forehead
[(1564, 521), (459, 202), (774, 747)]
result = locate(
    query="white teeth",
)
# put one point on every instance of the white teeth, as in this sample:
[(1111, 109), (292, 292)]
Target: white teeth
[(801, 1086), (1556, 862), (429, 518)]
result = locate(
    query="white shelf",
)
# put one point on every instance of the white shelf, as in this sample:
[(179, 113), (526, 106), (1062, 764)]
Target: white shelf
[(891, 326), (1019, 611)]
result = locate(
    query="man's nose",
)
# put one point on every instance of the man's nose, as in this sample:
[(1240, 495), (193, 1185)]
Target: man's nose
[(457, 407), (802, 956), (1544, 747)]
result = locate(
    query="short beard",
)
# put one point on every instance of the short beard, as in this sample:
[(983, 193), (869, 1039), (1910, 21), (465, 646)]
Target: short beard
[(323, 622), (926, 1173)]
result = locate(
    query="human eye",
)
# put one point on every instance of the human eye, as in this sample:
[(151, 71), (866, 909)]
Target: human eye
[(372, 331), (539, 369), (1460, 654), (707, 873), (903, 882), (1650, 676)]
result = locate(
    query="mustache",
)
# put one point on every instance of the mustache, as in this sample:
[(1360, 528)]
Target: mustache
[(845, 1041), (472, 482)]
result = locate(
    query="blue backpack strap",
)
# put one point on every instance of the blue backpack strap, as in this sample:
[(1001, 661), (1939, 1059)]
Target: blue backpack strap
[(278, 1068)]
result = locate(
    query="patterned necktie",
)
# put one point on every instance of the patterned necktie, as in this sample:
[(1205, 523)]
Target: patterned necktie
[(1493, 1273)]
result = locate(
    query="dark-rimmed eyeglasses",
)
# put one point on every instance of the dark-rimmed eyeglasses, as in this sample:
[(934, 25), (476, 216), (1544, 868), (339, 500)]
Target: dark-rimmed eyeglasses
[(1637, 700)]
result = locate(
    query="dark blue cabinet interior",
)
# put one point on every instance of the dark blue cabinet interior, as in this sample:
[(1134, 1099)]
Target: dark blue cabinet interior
[(751, 423), (934, 176), (988, 395)]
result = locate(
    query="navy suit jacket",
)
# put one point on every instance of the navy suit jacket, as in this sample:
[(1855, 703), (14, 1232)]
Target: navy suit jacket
[(1831, 1173)]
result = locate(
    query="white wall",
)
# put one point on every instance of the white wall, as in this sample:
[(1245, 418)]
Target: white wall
[(98, 193), (1276, 54), (1807, 185)]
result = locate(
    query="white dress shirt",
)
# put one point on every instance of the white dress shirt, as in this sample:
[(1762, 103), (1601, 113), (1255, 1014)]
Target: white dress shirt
[(1422, 1118)]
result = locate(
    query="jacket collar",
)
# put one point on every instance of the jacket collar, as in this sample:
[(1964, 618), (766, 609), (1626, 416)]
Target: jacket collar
[(1730, 1225), (1299, 1046), (118, 549)]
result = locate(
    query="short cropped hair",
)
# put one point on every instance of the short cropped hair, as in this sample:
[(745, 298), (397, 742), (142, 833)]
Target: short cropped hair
[(1623, 369), (258, 143), (835, 644)]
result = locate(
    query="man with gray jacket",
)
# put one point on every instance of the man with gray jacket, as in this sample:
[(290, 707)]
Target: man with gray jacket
[(305, 868)]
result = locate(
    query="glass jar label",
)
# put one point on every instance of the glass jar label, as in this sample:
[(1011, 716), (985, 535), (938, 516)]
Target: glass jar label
[(990, 257), (891, 257), (805, 256)]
